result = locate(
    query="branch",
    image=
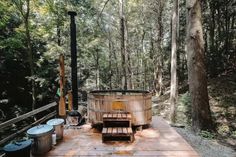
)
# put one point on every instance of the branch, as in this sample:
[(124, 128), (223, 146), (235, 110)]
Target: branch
[(100, 16), (19, 7), (102, 10)]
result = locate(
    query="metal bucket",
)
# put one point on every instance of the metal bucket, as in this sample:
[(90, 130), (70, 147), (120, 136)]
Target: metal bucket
[(42, 138), (18, 148), (57, 124)]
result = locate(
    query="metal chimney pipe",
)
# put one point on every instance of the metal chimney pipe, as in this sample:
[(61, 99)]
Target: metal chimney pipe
[(73, 60)]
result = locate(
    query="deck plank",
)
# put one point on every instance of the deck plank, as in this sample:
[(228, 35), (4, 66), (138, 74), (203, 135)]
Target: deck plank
[(124, 130), (159, 140), (114, 115), (129, 130), (119, 130), (105, 115), (123, 115), (109, 115), (109, 130), (128, 115), (114, 130), (104, 130)]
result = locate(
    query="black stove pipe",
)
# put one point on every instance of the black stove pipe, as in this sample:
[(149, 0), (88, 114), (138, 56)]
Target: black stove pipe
[(73, 60)]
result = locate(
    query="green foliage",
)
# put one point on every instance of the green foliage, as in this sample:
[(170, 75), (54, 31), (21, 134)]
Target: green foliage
[(184, 109), (206, 134), (12, 64), (218, 22), (233, 134), (223, 129)]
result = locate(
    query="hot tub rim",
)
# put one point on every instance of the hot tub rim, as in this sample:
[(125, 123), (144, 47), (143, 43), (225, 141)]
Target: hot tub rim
[(119, 91)]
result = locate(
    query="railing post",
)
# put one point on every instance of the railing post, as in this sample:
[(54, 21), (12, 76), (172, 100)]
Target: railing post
[(62, 104)]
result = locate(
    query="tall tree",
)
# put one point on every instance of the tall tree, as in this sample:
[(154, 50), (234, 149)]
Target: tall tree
[(173, 89), (97, 69), (128, 59), (23, 7), (123, 49), (158, 46), (197, 78)]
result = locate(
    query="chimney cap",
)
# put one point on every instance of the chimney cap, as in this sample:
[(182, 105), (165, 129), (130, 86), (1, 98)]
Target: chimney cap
[(72, 13)]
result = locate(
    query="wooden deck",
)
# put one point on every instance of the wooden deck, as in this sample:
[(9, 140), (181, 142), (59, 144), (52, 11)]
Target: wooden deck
[(159, 140)]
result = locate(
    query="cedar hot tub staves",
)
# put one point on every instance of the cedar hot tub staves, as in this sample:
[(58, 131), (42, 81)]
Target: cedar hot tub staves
[(138, 103)]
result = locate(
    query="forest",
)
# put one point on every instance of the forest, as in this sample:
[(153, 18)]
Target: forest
[(183, 51)]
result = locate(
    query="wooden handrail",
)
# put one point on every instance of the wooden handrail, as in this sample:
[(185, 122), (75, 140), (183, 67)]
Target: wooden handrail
[(27, 127), (26, 115)]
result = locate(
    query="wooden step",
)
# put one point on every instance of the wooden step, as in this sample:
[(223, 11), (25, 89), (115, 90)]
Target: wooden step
[(117, 115), (117, 120), (117, 134)]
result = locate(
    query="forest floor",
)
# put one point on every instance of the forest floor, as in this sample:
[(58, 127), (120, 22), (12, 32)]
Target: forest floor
[(222, 98)]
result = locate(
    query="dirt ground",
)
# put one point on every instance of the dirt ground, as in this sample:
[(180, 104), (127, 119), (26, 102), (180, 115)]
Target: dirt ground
[(206, 147), (222, 99)]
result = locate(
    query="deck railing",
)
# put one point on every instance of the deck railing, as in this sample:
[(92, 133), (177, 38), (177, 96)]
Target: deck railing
[(25, 116)]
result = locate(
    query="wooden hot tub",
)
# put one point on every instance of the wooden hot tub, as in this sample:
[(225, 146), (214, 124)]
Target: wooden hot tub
[(137, 102)]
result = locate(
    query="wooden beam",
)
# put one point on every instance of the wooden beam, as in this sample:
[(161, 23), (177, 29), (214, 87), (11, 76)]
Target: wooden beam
[(29, 114), (62, 104), (70, 99), (27, 127)]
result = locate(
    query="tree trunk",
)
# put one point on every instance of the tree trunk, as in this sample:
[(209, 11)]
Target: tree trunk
[(29, 51), (110, 61), (97, 70), (201, 115), (159, 45), (173, 90), (58, 32), (142, 68), (145, 75), (158, 58), (117, 70), (227, 32), (123, 53), (127, 53)]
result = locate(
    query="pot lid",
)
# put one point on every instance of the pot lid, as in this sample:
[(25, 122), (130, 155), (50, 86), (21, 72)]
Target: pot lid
[(40, 130), (18, 145), (56, 121), (74, 113)]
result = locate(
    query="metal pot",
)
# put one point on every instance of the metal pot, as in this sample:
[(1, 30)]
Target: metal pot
[(57, 124), (18, 148), (73, 118), (42, 138)]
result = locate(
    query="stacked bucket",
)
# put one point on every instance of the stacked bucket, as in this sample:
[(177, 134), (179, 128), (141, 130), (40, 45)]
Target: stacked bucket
[(42, 138)]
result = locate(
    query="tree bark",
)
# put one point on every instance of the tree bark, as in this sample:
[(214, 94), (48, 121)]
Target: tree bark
[(159, 45), (127, 55), (173, 90), (123, 53), (110, 61), (158, 58), (97, 71), (201, 115), (29, 51), (58, 33)]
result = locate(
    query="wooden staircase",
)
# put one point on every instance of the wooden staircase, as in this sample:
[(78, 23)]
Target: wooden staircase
[(117, 127)]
